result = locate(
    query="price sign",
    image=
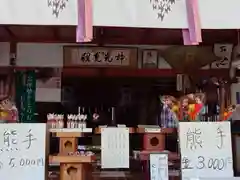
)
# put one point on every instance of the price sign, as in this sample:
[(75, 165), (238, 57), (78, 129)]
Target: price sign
[(206, 150), (22, 151), (158, 166)]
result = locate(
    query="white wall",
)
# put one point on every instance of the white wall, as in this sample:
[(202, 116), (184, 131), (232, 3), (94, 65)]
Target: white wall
[(39, 55), (42, 55)]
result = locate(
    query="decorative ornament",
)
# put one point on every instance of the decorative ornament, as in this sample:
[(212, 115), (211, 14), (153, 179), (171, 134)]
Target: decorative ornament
[(57, 6), (162, 7)]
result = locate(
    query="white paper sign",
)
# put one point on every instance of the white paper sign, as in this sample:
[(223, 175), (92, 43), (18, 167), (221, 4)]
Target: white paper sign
[(224, 52), (115, 147), (158, 167), (22, 151), (206, 149)]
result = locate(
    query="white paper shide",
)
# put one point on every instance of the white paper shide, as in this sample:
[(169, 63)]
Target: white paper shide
[(115, 147)]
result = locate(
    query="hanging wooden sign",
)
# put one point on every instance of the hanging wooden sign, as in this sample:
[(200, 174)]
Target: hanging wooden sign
[(100, 57), (224, 52)]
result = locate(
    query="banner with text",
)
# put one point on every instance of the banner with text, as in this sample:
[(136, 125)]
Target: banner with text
[(25, 95), (41, 12), (157, 14)]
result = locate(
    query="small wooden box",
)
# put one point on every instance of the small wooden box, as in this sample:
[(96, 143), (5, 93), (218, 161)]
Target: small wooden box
[(154, 138), (72, 167), (71, 171), (67, 145), (154, 142), (68, 139)]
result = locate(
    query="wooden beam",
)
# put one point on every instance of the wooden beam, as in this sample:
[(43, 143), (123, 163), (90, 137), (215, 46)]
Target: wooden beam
[(131, 36), (117, 72), (11, 34), (56, 33), (122, 72)]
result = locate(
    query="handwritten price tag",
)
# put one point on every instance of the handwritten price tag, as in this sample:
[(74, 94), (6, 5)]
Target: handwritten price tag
[(204, 156), (152, 130)]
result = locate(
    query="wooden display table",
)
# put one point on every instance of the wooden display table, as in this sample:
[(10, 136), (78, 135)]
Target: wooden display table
[(144, 155), (154, 138), (72, 167)]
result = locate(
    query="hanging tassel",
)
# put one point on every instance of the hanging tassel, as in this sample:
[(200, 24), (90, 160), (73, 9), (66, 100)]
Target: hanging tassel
[(85, 25), (192, 35)]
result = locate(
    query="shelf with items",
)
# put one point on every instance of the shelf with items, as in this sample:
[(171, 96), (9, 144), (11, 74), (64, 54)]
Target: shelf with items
[(68, 138), (172, 156), (63, 158), (73, 164)]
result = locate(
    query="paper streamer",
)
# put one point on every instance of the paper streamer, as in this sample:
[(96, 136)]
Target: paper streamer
[(192, 35), (88, 20), (85, 26)]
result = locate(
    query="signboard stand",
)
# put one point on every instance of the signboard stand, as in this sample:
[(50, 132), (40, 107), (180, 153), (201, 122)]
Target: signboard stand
[(153, 142)]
